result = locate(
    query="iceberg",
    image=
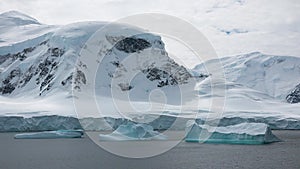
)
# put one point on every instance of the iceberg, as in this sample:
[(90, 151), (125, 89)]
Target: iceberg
[(51, 134), (133, 131), (243, 133)]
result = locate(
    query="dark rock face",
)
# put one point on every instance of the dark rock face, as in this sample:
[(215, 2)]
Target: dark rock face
[(79, 79), (131, 45), (169, 73), (68, 80), (125, 86), (13, 57), (8, 84), (7, 89), (44, 71), (294, 96), (164, 78)]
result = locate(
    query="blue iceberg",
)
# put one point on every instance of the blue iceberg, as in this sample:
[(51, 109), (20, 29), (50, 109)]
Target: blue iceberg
[(133, 131), (51, 134), (243, 133)]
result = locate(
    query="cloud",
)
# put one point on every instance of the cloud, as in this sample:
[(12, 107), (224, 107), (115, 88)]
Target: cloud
[(272, 26)]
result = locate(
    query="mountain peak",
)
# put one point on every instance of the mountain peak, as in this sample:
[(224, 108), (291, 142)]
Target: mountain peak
[(17, 18)]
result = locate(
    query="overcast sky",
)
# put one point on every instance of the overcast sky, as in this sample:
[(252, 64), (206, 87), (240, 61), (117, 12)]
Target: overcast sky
[(67, 11), (232, 26)]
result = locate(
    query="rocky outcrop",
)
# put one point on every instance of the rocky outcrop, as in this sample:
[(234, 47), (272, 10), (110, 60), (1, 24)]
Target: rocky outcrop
[(42, 73), (131, 45), (165, 78), (294, 96)]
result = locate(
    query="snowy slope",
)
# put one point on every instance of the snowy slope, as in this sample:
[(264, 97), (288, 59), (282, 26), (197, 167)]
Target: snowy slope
[(18, 31), (40, 67), (35, 68), (276, 76), (17, 19)]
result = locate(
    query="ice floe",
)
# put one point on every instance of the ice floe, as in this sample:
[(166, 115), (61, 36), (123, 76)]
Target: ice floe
[(133, 131), (51, 134), (243, 133)]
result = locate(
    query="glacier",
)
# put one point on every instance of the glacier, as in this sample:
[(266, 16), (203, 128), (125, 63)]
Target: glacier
[(39, 123), (133, 131), (243, 133), (51, 134), (159, 122)]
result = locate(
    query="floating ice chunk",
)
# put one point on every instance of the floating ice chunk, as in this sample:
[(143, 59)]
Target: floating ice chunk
[(243, 133), (133, 131), (51, 134)]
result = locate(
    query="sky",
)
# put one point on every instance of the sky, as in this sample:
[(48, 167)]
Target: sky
[(231, 26)]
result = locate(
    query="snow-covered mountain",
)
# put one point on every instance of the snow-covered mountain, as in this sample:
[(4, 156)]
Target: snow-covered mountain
[(15, 18), (42, 61), (294, 96), (273, 76)]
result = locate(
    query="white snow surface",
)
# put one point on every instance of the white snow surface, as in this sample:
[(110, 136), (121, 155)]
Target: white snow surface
[(273, 75)]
